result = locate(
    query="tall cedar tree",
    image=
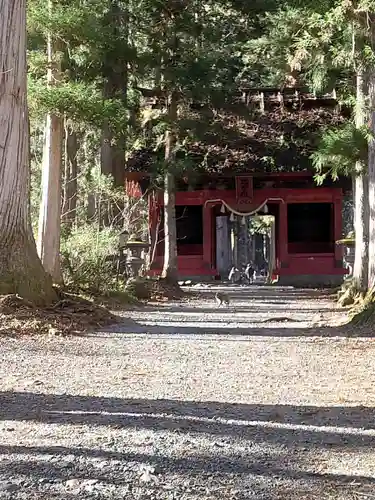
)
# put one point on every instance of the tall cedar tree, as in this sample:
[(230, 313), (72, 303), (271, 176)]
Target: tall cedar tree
[(49, 229), (21, 271)]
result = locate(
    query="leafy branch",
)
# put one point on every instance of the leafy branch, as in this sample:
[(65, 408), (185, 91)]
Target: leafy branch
[(339, 150)]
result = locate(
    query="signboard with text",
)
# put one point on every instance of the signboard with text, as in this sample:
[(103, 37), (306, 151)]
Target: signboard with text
[(244, 189)]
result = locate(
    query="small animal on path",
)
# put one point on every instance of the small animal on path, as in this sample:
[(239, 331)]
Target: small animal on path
[(221, 298), (234, 275), (250, 273)]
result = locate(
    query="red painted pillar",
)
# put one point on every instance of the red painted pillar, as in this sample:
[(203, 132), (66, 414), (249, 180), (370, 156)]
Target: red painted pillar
[(207, 236), (337, 229), (283, 235)]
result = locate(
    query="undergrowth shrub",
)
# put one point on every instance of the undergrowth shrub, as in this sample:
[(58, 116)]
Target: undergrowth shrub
[(88, 258)]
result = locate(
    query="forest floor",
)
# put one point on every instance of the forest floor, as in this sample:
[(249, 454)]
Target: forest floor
[(266, 399)]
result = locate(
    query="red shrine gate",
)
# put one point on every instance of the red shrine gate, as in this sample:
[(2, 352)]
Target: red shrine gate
[(308, 221), (260, 155)]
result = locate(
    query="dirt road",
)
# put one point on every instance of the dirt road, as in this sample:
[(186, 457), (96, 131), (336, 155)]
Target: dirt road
[(264, 399)]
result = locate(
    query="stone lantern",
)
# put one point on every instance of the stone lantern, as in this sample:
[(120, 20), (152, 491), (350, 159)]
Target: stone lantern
[(134, 260), (123, 239), (348, 244)]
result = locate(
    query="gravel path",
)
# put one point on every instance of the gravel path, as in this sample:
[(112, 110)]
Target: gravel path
[(261, 400)]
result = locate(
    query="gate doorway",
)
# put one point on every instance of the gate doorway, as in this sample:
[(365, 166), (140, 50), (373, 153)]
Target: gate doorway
[(242, 240)]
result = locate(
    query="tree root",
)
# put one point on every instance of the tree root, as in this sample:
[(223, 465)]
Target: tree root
[(349, 294), (347, 298), (364, 317), (363, 312), (22, 273)]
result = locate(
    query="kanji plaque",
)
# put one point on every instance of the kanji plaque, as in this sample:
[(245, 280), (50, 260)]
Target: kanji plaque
[(244, 189)]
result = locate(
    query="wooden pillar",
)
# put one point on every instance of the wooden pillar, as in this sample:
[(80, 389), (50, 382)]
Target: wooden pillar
[(153, 215), (337, 229), (271, 253), (283, 235), (235, 241), (207, 236)]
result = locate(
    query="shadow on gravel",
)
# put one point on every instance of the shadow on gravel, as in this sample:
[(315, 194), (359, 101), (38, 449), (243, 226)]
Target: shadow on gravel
[(253, 312), (338, 427), (267, 292), (241, 308), (261, 465), (201, 330), (266, 447)]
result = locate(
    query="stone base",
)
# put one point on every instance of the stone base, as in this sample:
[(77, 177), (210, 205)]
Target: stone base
[(311, 281)]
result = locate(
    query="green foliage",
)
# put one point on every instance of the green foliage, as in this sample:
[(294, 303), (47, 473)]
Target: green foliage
[(87, 262), (339, 150), (109, 49), (87, 245), (110, 52), (261, 224), (89, 250), (91, 49), (312, 43), (82, 103)]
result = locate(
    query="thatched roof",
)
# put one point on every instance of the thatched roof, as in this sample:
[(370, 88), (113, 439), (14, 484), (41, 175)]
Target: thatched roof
[(253, 134)]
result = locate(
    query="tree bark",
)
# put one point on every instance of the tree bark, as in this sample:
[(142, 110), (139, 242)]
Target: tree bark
[(86, 156), (170, 271), (21, 270), (50, 207), (361, 226), (115, 74), (112, 155), (361, 197), (371, 180), (70, 177)]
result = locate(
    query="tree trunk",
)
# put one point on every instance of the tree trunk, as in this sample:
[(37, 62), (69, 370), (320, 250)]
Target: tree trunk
[(361, 227), (89, 201), (21, 271), (50, 206), (170, 271), (115, 75), (371, 179), (70, 178), (361, 197), (112, 156)]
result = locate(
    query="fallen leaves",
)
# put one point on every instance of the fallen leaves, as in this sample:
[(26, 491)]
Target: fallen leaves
[(70, 315)]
